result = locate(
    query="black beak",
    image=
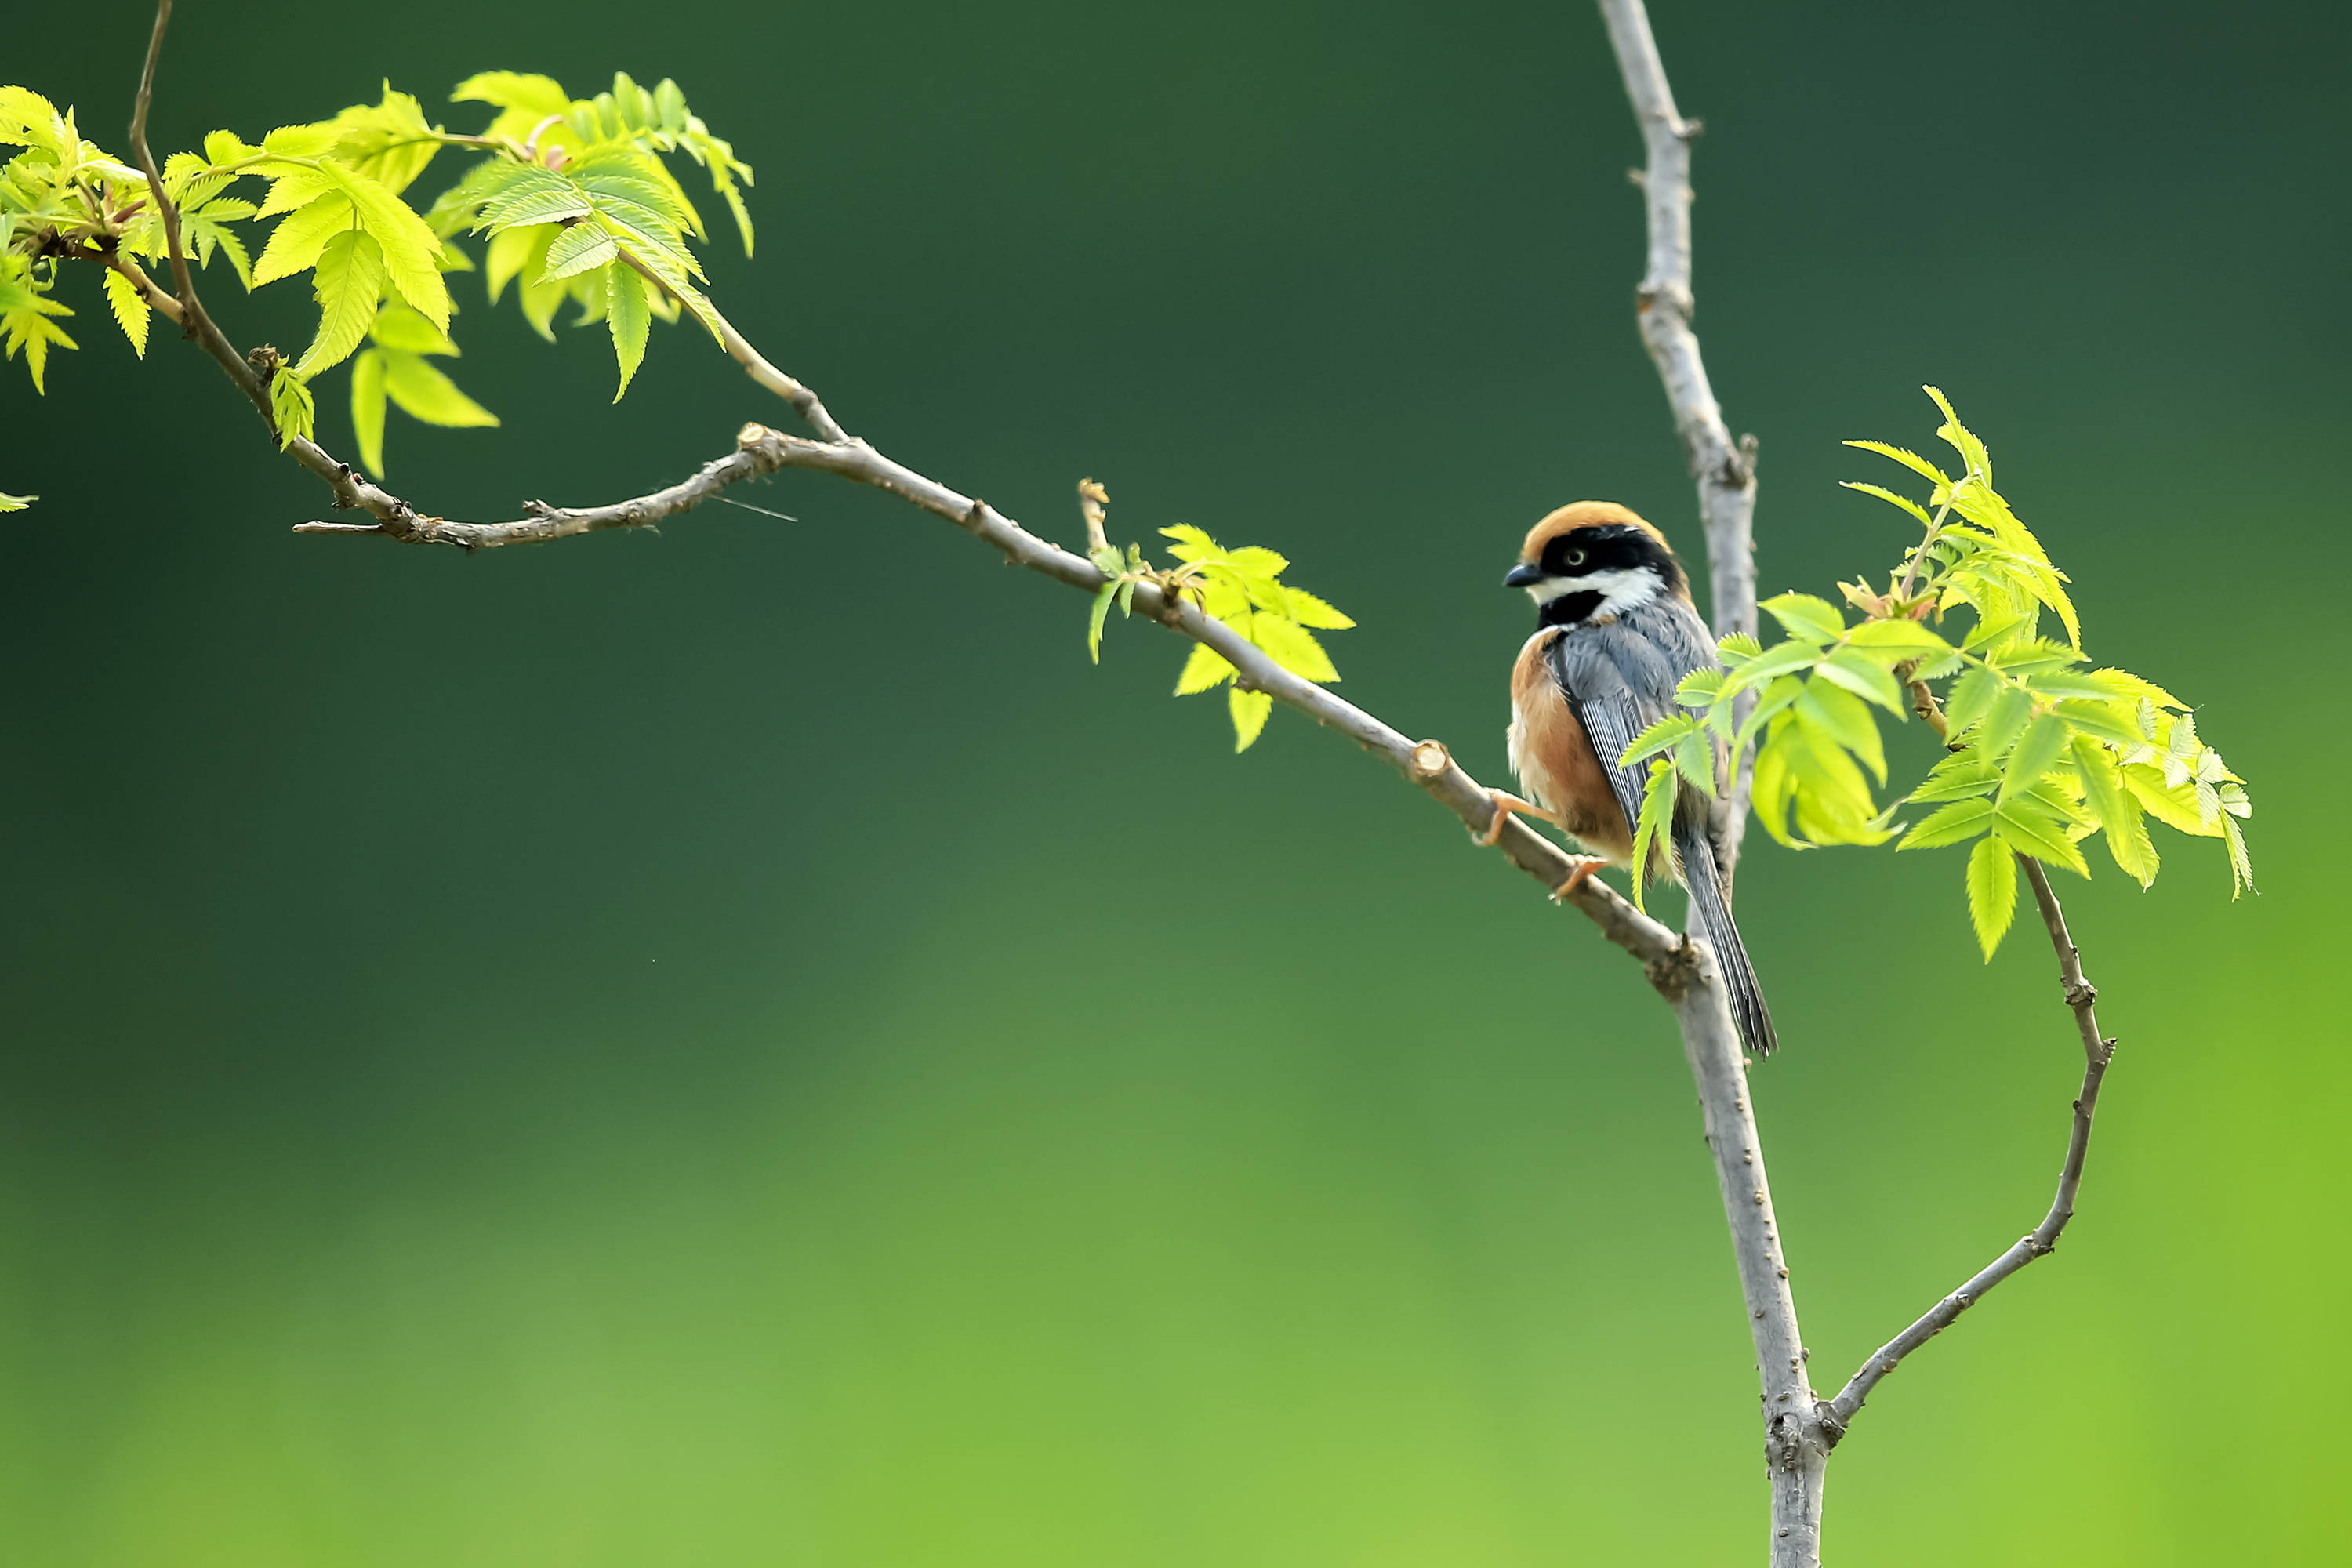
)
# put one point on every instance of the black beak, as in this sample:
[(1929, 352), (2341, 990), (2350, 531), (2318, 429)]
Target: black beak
[(1523, 575)]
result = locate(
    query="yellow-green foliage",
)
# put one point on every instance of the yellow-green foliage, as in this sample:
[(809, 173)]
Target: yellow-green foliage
[(2044, 752), (573, 194)]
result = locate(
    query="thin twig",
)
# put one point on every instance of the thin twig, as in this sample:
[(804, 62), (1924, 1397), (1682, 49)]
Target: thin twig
[(755, 364), (2098, 1052)]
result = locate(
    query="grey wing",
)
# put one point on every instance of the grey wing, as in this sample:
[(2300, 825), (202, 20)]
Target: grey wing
[(1620, 679)]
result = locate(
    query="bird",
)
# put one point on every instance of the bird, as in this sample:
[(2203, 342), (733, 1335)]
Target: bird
[(1615, 634)]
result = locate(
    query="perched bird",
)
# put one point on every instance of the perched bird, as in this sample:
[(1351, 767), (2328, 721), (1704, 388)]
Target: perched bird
[(1615, 634)]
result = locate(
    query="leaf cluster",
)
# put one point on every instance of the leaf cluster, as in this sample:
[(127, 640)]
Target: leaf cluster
[(2043, 752), (1240, 586), (573, 196)]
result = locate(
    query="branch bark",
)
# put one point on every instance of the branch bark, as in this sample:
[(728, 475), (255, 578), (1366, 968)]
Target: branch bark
[(1664, 304), (2043, 1239)]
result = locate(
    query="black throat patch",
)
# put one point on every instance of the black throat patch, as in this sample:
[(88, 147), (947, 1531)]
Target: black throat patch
[(1568, 609)]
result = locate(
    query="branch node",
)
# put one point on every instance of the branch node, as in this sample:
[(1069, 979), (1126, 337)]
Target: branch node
[(750, 436), (1430, 758)]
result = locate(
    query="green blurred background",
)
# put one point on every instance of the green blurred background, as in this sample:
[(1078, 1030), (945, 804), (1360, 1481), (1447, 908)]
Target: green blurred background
[(741, 1047)]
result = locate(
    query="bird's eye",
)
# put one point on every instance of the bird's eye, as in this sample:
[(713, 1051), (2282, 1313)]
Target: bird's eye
[(1576, 558)]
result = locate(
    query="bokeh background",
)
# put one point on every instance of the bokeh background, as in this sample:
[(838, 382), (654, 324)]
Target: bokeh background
[(742, 1047)]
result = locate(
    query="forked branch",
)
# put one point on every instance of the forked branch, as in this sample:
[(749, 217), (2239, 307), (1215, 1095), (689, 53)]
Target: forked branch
[(2097, 1051)]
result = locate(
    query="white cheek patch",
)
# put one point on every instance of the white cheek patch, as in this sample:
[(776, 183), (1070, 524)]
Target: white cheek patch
[(1619, 587)]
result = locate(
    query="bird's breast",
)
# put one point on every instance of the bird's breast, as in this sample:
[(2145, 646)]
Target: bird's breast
[(1555, 762)]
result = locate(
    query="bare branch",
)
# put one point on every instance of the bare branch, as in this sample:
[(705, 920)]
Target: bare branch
[(2098, 1052), (755, 364), (1664, 304)]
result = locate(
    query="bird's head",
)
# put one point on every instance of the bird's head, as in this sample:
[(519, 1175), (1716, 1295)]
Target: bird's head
[(1594, 558)]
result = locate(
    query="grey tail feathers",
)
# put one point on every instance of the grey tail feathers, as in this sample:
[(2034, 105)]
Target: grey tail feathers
[(1714, 921)]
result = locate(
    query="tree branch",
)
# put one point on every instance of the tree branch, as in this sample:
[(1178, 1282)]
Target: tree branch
[(1663, 305), (2097, 1051), (1796, 1441)]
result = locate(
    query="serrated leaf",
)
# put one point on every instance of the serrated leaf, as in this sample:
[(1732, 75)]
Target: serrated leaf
[(1104, 598), (1656, 828), (1907, 640), (1780, 659), (1954, 824), (1909, 459), (1660, 736), (1864, 677), (300, 236), (1839, 715), (2004, 720), (1249, 711), (349, 283), (1906, 502), (130, 310), (1701, 687), (2037, 749), (1695, 760), (367, 409), (2028, 832), (1992, 893), (1806, 615), (540, 298), (401, 327), (292, 407), (2120, 811), (1739, 646), (1205, 669), (626, 313), (410, 248), (420, 391), (1292, 646), (1309, 611), (1957, 777)]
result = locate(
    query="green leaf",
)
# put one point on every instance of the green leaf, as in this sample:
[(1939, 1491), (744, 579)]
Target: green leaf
[(1804, 615), (350, 284), (1309, 611), (578, 249), (1695, 760), (1205, 669), (1957, 776), (1889, 497), (291, 405), (1865, 678), (1954, 824), (1961, 439), (1906, 639), (300, 238), (1992, 893), (2028, 832), (367, 409), (16, 503), (130, 310), (1737, 648), (1911, 460), (2119, 813), (626, 310), (1101, 612), (1664, 735), (508, 252), (1293, 647), (2242, 864), (2003, 722), (410, 248), (1249, 710), (2037, 749), (1655, 829), (1971, 695), (1779, 659), (1701, 687), (400, 327), (1839, 715), (422, 392)]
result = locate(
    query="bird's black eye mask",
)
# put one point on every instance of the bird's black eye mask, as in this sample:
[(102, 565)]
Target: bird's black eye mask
[(1614, 546)]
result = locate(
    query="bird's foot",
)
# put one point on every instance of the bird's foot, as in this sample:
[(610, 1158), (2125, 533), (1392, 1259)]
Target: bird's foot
[(1585, 866), (1508, 806)]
